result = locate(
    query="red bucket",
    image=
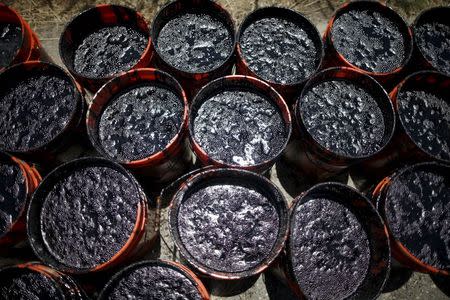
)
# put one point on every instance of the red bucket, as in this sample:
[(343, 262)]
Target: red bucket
[(197, 72), (28, 45), (343, 46), (163, 165), (257, 42), (24, 179), (86, 31)]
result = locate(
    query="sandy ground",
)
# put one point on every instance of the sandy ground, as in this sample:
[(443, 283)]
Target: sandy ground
[(48, 17)]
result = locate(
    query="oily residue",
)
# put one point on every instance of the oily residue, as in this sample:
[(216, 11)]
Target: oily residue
[(240, 127), (12, 195), (195, 42), (155, 282), (344, 118), (228, 228), (426, 117), (279, 50), (109, 50), (10, 39), (433, 39), (330, 251), (34, 110), (88, 216), (418, 214), (369, 40), (30, 285), (140, 121)]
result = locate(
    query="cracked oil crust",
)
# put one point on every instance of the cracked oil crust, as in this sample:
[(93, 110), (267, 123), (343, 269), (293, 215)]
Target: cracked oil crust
[(418, 214), (88, 216), (227, 227), (195, 42), (155, 282), (34, 110), (279, 50), (239, 127), (12, 195), (140, 122), (330, 250), (369, 40), (109, 50), (341, 108), (29, 285)]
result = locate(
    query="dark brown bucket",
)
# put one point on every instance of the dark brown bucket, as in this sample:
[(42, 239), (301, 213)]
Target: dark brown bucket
[(339, 49), (414, 204), (295, 61), (88, 31), (229, 113), (190, 71), (422, 103), (320, 155), (20, 43), (95, 236), (37, 280), (431, 32), (335, 238), (43, 111), (17, 184), (226, 193), (168, 278), (175, 157)]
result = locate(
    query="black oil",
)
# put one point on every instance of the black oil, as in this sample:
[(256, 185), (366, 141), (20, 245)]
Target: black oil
[(88, 216), (369, 40), (10, 40), (140, 122), (195, 42), (418, 212), (228, 227), (433, 39), (109, 50), (330, 250), (25, 284), (35, 109), (12, 195), (425, 115), (240, 127), (344, 118), (279, 50), (155, 282)]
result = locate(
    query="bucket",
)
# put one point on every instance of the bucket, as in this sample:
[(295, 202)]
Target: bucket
[(89, 215), (161, 152), (239, 121), (103, 41)]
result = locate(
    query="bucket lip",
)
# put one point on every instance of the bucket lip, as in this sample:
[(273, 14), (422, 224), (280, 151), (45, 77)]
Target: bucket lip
[(22, 30), (274, 97), (403, 86), (9, 159), (34, 224), (418, 22), (269, 11), (78, 98), (311, 83), (188, 274), (215, 7), (34, 267), (272, 192), (68, 65), (93, 134), (406, 33), (435, 167), (380, 262)]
